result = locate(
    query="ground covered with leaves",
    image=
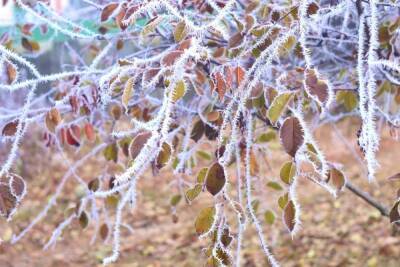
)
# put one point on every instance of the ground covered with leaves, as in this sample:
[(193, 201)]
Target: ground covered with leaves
[(336, 232)]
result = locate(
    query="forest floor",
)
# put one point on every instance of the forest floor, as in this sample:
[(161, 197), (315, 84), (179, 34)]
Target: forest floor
[(345, 231)]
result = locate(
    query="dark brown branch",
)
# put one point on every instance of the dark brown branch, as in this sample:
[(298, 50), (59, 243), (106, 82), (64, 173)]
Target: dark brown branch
[(366, 197)]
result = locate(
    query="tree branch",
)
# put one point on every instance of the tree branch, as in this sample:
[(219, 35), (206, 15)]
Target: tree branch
[(367, 198)]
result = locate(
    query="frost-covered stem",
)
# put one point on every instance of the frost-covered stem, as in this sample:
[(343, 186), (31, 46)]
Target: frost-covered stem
[(249, 141), (117, 224), (47, 78), (52, 24), (58, 231)]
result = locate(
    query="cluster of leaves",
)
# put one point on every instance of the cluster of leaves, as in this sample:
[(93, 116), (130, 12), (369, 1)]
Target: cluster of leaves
[(167, 79)]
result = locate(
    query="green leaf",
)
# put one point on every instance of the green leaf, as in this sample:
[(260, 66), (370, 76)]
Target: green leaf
[(278, 106), (274, 185), (205, 220), (180, 31), (266, 137), (202, 175), (179, 91), (348, 99), (204, 155), (287, 172), (283, 200), (269, 217), (175, 200), (192, 193), (111, 152)]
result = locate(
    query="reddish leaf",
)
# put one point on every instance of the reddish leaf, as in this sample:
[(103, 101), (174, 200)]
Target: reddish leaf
[(170, 58), (89, 132), (239, 72), (221, 85), (11, 72), (138, 143), (119, 18), (291, 135), (107, 11), (10, 128), (73, 135)]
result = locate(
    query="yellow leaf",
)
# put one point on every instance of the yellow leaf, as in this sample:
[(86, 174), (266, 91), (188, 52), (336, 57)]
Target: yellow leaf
[(128, 92)]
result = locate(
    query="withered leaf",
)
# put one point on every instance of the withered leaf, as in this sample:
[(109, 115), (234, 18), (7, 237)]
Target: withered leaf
[(10, 128), (215, 179), (317, 88), (197, 130), (291, 135), (107, 11), (138, 143), (337, 178), (8, 202), (169, 59), (164, 156), (394, 213), (289, 214)]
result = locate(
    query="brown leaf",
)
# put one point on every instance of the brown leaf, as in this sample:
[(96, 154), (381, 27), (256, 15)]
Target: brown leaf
[(30, 45), (120, 17), (103, 231), (215, 180), (317, 88), (94, 184), (107, 11), (289, 214), (312, 9), (164, 156), (53, 119), (291, 135), (11, 72), (138, 143), (221, 85), (337, 178), (394, 213), (185, 44), (10, 128), (8, 202), (169, 59), (150, 73), (197, 130), (235, 40)]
